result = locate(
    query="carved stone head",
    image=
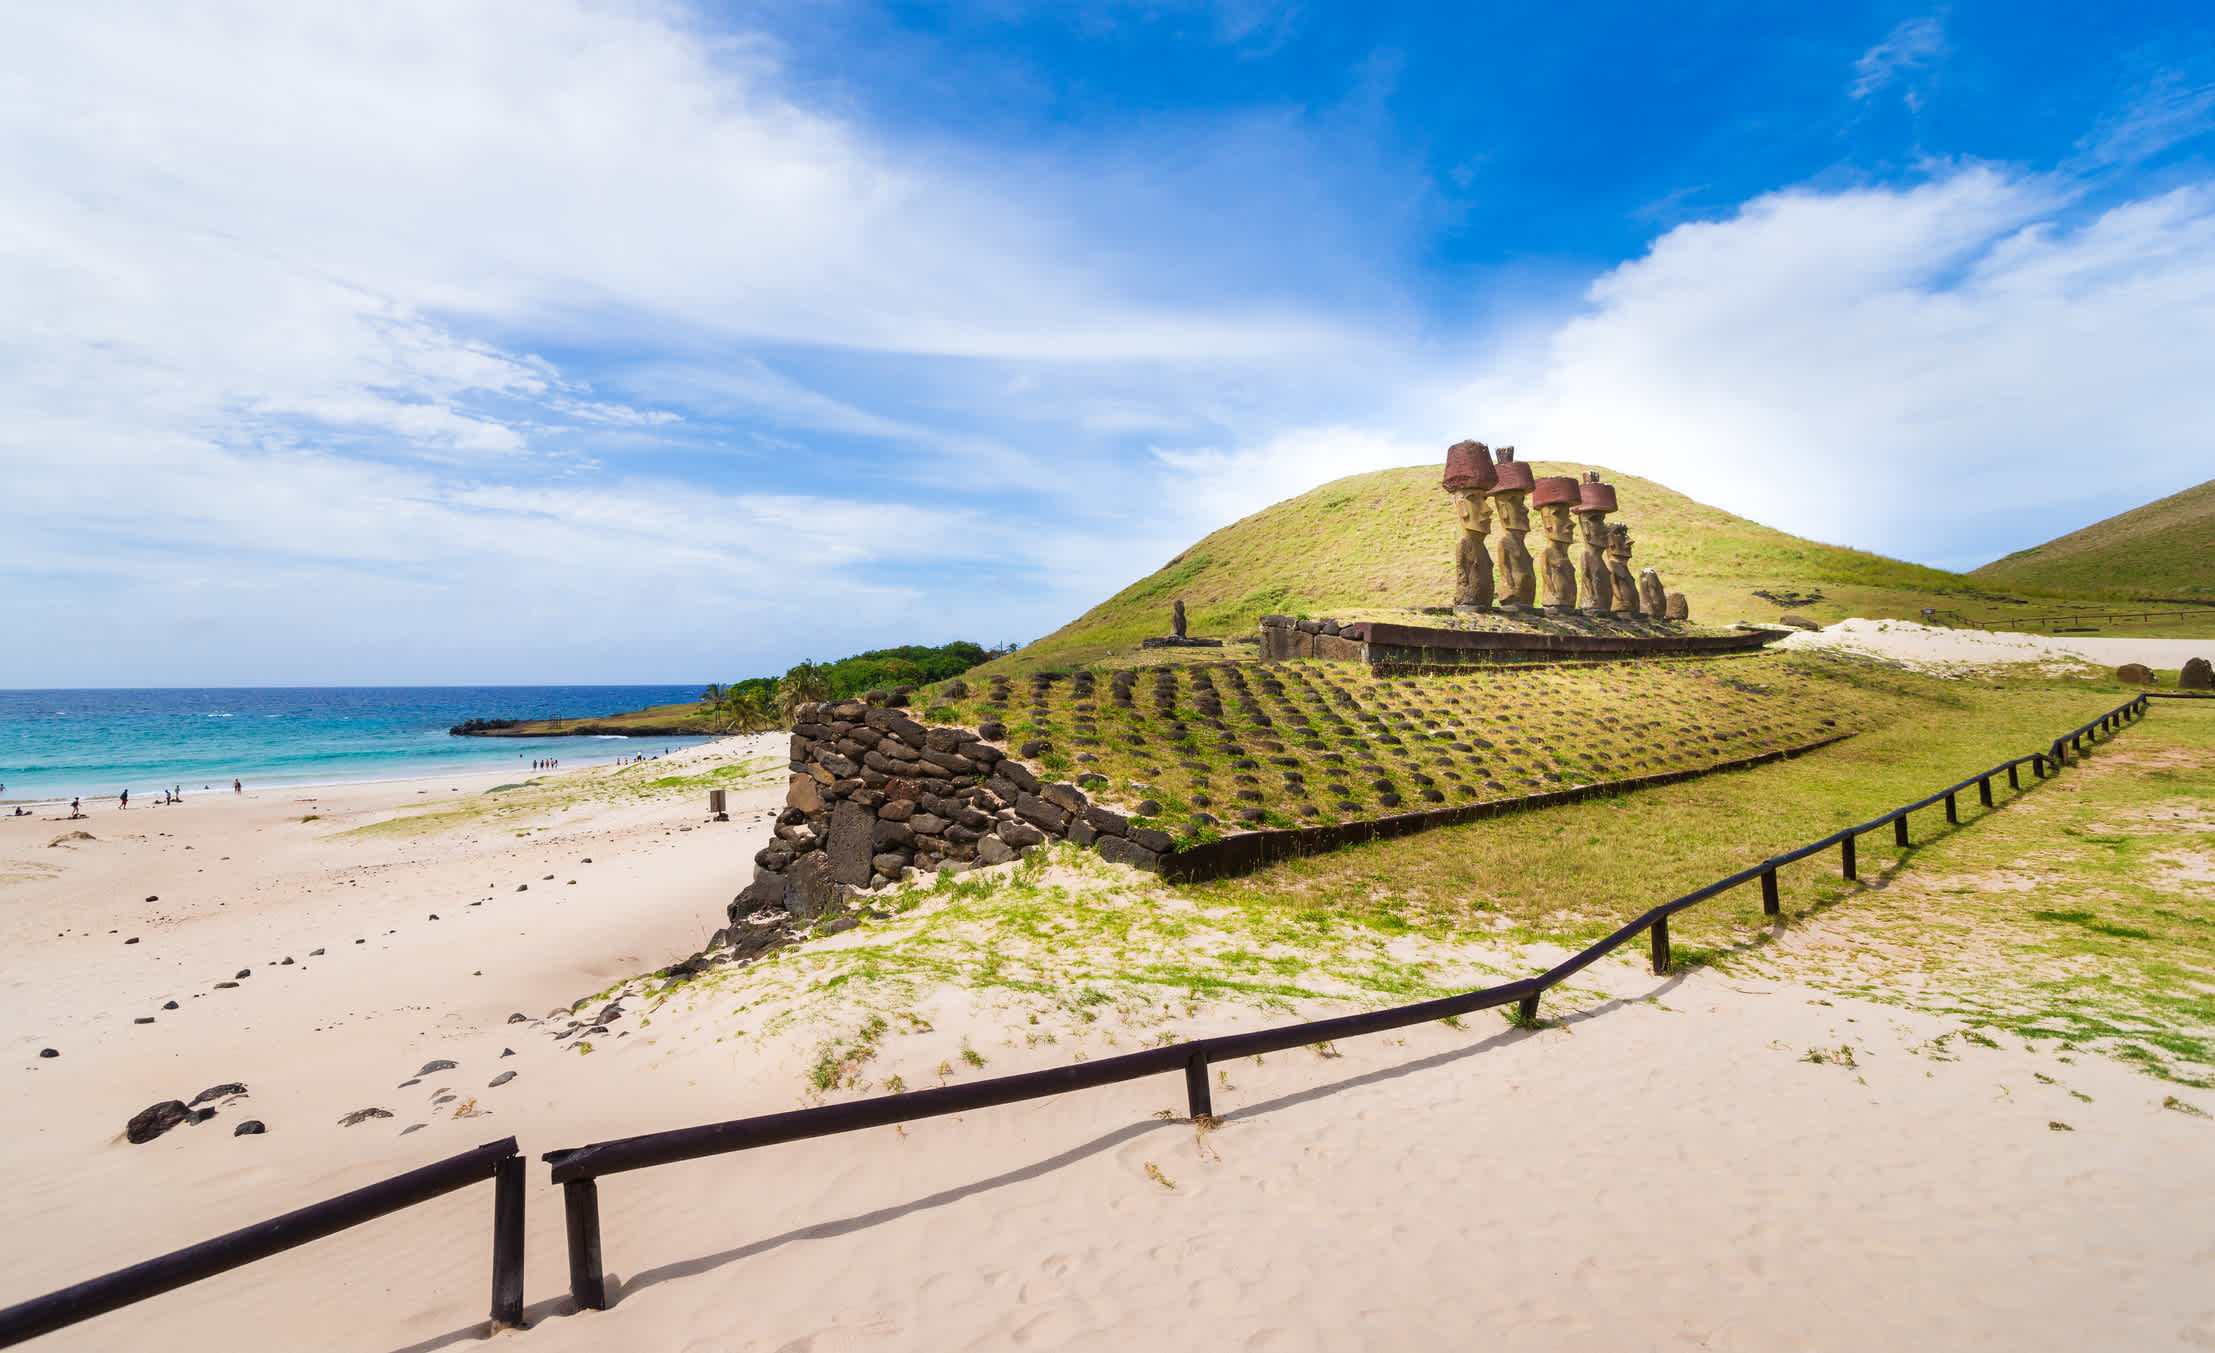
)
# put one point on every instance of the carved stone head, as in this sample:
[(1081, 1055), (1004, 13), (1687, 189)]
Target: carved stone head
[(1475, 510), (1558, 522), (1618, 540)]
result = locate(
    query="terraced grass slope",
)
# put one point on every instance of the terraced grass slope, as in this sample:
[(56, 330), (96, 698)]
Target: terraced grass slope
[(1201, 749), (2164, 549), (1386, 540)]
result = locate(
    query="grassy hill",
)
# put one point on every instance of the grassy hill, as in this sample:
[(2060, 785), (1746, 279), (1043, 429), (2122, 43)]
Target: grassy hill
[(2164, 549), (1386, 539)]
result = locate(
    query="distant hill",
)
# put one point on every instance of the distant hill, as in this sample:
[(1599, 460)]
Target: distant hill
[(2164, 549), (1386, 539)]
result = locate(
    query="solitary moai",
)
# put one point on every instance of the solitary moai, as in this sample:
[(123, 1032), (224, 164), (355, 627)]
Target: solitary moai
[(1652, 602), (1623, 588), (1518, 581), (2196, 676), (1176, 618), (1594, 501), (1556, 499), (1469, 475), (1677, 607)]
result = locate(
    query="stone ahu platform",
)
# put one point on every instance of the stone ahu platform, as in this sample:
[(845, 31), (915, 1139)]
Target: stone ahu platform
[(1444, 638)]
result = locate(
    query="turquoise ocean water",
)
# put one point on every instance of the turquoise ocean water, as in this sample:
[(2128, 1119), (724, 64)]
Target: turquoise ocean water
[(95, 743)]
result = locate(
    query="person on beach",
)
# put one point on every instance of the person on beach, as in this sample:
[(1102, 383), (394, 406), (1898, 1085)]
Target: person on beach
[(76, 809), (126, 799), (238, 787)]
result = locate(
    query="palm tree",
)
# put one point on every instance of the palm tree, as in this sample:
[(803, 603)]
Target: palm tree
[(804, 682)]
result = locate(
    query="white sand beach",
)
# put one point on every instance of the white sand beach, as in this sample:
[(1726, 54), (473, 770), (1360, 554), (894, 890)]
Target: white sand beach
[(1664, 1168)]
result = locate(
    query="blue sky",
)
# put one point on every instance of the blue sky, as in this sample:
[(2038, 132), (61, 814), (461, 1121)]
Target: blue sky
[(558, 341)]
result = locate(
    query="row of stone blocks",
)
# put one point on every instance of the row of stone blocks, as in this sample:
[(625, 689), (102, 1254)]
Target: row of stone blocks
[(875, 795)]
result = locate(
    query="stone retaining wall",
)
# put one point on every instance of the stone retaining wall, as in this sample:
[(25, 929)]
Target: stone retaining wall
[(1381, 643), (876, 794)]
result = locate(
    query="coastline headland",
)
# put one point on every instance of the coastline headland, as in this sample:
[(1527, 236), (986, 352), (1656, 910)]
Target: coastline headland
[(660, 721)]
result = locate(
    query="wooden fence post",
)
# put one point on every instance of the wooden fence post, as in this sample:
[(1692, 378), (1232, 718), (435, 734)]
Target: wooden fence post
[(1195, 1087), (1661, 946), (1953, 813), (1769, 906), (1846, 857), (2013, 781), (1984, 790), (507, 1243), (1899, 830), (580, 1199)]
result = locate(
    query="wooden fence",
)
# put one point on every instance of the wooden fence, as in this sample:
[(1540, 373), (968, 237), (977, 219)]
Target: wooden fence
[(578, 1169), (497, 1161)]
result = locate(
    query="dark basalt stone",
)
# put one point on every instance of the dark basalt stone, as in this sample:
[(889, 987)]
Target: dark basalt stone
[(152, 1121)]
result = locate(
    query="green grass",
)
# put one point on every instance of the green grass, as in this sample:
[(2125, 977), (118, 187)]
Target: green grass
[(2083, 916), (538, 800), (1313, 743), (1386, 539), (2163, 549)]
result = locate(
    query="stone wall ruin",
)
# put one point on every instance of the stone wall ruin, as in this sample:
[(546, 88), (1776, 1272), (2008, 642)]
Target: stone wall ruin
[(877, 796)]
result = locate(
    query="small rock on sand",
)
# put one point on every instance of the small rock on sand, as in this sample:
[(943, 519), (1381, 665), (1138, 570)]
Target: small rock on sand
[(49, 1052), (154, 1120), (507, 1052), (363, 1116), (522, 887), (223, 1091), (412, 1127), (252, 1127), (221, 985), (132, 940), (440, 1065), (315, 953), (244, 973), (143, 1019), (169, 1005), (502, 1079), (519, 1018), (151, 898)]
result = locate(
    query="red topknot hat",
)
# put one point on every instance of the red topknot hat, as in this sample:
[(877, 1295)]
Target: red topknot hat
[(1554, 489), (1515, 476), (1593, 496), (1469, 466)]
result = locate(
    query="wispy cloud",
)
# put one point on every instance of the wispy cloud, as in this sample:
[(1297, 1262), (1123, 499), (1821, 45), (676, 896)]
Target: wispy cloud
[(1909, 46), (2168, 110)]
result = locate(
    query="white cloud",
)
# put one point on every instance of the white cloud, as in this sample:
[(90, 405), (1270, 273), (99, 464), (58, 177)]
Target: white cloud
[(278, 281), (1944, 371), (1909, 46)]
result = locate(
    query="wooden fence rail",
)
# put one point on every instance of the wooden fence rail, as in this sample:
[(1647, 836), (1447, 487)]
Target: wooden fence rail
[(578, 1169), (497, 1161)]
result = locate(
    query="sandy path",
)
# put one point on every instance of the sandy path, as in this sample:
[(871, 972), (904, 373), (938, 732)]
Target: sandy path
[(1932, 646), (1665, 1174)]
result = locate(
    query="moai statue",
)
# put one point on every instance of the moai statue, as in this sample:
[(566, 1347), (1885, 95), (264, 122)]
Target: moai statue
[(1678, 607), (1469, 475), (2196, 675), (1555, 497), (1510, 503), (1594, 501), (1623, 587), (1176, 618), (1653, 603)]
